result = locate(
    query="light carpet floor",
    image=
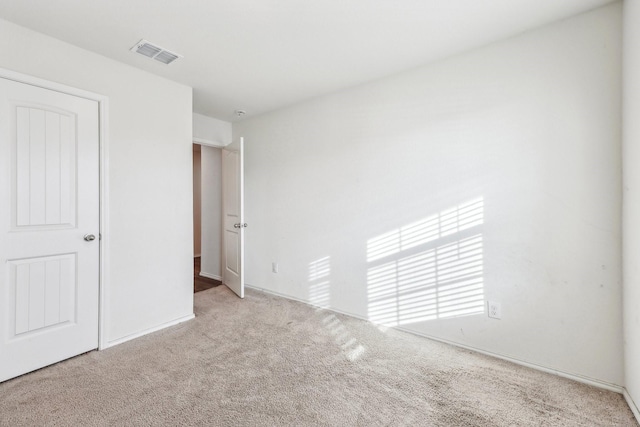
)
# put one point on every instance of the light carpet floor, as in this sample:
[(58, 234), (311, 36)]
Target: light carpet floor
[(269, 361)]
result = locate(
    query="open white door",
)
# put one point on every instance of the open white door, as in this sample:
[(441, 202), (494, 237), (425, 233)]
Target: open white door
[(233, 213), (49, 227)]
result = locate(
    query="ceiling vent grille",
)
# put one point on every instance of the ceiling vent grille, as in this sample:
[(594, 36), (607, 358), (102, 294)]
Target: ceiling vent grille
[(152, 51)]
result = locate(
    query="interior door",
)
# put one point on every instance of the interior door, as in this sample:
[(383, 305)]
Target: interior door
[(233, 212), (49, 227)]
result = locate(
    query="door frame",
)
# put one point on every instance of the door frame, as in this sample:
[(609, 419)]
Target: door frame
[(216, 144), (103, 108)]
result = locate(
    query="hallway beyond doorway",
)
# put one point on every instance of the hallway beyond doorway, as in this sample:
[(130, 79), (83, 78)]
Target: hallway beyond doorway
[(201, 283)]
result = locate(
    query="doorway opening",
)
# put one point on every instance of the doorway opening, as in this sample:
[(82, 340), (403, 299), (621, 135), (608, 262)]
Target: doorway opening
[(207, 217)]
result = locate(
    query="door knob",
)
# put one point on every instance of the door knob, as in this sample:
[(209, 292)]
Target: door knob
[(89, 237), (237, 225)]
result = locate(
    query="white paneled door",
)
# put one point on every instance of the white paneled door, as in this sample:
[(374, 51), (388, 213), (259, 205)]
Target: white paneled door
[(49, 227), (233, 212)]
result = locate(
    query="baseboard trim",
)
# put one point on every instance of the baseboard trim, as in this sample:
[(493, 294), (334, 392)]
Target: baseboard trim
[(211, 276), (632, 404), (576, 377), (148, 331)]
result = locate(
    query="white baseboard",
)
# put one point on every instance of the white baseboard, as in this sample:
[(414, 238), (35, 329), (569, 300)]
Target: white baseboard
[(148, 331), (575, 377), (632, 404), (210, 276), (579, 378)]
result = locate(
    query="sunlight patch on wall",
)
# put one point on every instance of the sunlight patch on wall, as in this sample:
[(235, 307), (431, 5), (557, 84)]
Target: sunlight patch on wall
[(427, 270), (320, 295), (445, 223), (319, 283)]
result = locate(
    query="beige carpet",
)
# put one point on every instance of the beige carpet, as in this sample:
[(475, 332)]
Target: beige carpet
[(268, 361)]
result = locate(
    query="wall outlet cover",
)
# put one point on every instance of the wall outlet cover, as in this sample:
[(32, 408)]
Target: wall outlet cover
[(494, 310)]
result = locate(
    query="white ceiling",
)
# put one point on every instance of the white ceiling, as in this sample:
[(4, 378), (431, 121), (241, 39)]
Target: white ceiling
[(260, 55)]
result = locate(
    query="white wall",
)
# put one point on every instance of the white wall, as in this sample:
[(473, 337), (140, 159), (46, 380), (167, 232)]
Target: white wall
[(149, 166), (211, 212), (631, 199), (207, 130), (530, 126)]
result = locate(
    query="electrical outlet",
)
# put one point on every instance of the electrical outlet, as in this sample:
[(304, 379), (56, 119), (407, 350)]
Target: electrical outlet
[(274, 267), (494, 310)]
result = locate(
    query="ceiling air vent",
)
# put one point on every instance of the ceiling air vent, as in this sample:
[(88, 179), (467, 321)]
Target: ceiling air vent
[(152, 51)]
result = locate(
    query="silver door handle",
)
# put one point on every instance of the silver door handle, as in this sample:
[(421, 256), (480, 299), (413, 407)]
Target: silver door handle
[(238, 225), (89, 237)]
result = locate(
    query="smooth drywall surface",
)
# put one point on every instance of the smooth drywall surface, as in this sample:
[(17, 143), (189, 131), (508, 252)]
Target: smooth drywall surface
[(494, 175), (631, 198), (211, 131), (197, 201), (150, 227), (211, 212)]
